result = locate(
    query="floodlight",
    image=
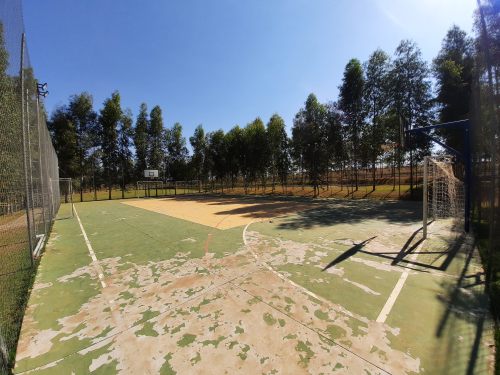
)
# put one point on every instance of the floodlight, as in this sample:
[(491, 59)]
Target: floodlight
[(45, 94)]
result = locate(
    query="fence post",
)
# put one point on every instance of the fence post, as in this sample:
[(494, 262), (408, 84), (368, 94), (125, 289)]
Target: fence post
[(30, 168), (21, 74), (40, 153), (424, 226)]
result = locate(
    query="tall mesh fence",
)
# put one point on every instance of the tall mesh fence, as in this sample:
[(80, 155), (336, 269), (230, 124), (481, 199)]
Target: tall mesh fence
[(27, 163)]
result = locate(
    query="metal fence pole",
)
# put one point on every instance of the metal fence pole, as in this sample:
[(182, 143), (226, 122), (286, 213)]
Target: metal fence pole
[(25, 167), (41, 163), (424, 227), (30, 164)]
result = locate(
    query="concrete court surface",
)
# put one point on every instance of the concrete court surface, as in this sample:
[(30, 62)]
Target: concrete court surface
[(141, 292)]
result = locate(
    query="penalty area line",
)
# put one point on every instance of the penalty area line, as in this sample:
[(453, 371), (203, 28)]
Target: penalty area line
[(399, 286), (91, 251)]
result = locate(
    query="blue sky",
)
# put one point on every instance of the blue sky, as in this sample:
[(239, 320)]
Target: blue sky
[(221, 63)]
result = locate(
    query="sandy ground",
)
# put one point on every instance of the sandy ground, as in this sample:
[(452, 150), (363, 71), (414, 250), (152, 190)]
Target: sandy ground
[(221, 212)]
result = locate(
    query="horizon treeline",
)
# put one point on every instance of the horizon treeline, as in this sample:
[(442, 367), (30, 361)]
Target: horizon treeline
[(360, 131)]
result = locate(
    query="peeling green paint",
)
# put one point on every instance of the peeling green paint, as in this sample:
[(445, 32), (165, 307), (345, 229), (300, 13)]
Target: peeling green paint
[(268, 318), (147, 330), (232, 344), (196, 359), (214, 342), (178, 328), (166, 369), (321, 315), (186, 340), (304, 360), (289, 300)]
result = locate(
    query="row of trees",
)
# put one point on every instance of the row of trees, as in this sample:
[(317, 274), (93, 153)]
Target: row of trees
[(353, 133)]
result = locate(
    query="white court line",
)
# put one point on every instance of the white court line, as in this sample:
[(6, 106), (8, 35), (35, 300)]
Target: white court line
[(92, 254), (399, 286)]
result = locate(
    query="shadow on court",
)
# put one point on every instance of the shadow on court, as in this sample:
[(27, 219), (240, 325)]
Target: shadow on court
[(349, 253)]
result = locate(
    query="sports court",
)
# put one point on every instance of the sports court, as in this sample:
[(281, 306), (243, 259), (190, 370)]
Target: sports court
[(223, 285)]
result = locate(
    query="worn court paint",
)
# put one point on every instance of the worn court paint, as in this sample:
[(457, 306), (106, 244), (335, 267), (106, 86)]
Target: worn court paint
[(91, 251), (399, 286), (210, 322)]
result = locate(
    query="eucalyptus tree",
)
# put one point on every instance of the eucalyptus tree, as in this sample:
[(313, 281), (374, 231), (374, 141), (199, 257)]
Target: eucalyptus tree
[(453, 70), (377, 98), (351, 104), (125, 161), (309, 127), (256, 141), (199, 144), (277, 144), (156, 150), (82, 115), (177, 152), (110, 117), (217, 151), (235, 152), (141, 141), (412, 96), (65, 140), (336, 150)]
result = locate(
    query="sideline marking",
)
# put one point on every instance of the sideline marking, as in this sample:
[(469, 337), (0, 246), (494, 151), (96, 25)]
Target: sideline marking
[(92, 254), (399, 286)]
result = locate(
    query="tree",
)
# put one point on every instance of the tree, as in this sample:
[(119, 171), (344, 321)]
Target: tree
[(65, 140), (376, 101), (81, 113), (217, 151), (453, 69), (335, 147), (199, 145), (277, 141), (110, 117), (351, 104), (256, 144), (141, 141), (177, 152), (310, 139), (235, 148), (156, 151), (125, 162), (411, 96)]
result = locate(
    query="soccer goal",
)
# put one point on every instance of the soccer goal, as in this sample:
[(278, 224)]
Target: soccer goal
[(61, 198), (188, 187), (444, 194)]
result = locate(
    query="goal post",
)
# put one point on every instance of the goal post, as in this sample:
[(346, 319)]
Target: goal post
[(444, 195)]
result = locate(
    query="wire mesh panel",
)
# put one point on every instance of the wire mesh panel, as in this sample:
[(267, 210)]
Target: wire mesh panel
[(61, 191), (188, 187), (27, 163), (151, 189)]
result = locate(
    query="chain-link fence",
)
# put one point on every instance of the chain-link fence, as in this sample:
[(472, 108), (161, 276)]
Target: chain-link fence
[(28, 162)]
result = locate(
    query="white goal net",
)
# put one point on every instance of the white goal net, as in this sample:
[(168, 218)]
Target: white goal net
[(444, 193)]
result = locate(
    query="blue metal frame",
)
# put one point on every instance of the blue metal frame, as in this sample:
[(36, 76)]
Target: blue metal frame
[(466, 158)]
